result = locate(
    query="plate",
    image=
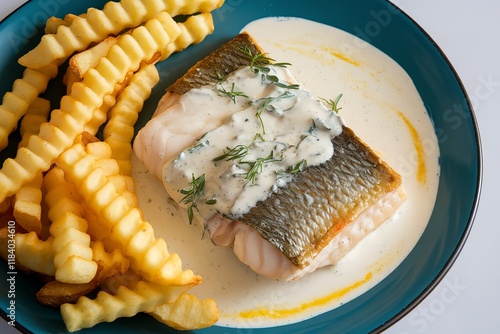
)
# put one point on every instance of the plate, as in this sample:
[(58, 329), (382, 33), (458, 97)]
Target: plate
[(382, 25)]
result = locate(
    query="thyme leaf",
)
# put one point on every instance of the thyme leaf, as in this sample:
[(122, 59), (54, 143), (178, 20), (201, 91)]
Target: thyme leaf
[(232, 94), (237, 152), (267, 101), (333, 104), (295, 169), (259, 63), (257, 166), (193, 193)]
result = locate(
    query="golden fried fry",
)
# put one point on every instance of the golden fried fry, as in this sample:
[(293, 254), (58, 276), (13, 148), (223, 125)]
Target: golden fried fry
[(55, 293), (99, 24), (148, 255), (111, 264), (140, 296), (88, 231), (100, 114), (7, 253), (35, 254), (188, 313), (5, 205), (54, 22), (95, 230), (119, 130), (193, 31), (27, 205), (24, 92), (76, 109), (37, 113), (71, 244), (80, 63)]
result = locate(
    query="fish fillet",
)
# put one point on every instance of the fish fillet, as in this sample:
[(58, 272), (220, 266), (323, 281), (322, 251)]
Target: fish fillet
[(312, 221)]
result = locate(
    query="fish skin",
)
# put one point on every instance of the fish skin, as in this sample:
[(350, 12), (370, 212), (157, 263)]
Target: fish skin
[(222, 61), (301, 218)]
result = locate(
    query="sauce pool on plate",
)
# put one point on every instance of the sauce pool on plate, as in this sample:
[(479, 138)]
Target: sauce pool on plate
[(382, 106)]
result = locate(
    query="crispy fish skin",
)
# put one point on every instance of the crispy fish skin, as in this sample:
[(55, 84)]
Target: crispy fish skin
[(222, 61), (301, 218)]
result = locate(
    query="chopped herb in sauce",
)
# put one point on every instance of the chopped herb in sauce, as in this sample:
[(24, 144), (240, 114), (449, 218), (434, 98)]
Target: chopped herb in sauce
[(193, 193), (266, 103), (232, 94), (256, 166), (295, 169)]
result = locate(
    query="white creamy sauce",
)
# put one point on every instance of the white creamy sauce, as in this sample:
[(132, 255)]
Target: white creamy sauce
[(326, 61), (276, 128)]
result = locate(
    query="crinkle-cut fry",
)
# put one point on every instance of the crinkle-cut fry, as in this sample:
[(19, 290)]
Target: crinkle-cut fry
[(187, 313), (112, 263), (24, 92), (148, 255), (96, 229), (27, 205), (100, 115), (66, 123), (5, 205), (37, 113), (193, 31), (142, 296), (53, 22), (71, 244), (99, 24), (81, 62), (35, 254), (5, 253), (119, 130)]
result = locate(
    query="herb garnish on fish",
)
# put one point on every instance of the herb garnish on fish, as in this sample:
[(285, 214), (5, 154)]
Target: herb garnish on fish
[(334, 104), (257, 165), (239, 152), (266, 105), (193, 193), (295, 169), (232, 94), (260, 63)]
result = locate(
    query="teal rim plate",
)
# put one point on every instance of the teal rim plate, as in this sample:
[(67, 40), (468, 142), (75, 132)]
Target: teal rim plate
[(379, 23)]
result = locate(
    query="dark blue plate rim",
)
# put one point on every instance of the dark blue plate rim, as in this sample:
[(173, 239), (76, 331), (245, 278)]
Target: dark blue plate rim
[(456, 252)]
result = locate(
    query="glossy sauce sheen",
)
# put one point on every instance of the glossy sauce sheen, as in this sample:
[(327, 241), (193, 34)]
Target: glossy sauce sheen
[(293, 126), (382, 106)]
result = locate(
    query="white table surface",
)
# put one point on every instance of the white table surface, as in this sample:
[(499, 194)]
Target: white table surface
[(466, 301)]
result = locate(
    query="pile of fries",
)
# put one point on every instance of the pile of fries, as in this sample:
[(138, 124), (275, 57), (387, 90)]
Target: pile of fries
[(71, 195)]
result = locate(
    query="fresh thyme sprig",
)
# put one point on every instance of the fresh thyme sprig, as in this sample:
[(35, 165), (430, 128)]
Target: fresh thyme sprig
[(239, 151), (259, 63), (295, 169), (193, 193), (267, 102), (275, 80), (232, 94), (334, 104), (256, 166)]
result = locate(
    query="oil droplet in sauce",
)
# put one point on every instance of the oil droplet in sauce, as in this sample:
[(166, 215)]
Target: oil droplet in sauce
[(288, 312), (419, 148)]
